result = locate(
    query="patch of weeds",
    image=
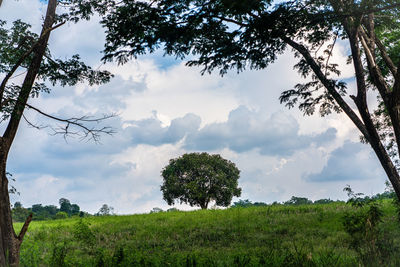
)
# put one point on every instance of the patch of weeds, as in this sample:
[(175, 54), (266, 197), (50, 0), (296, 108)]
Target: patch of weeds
[(99, 258), (30, 254), (118, 257), (241, 260), (58, 255), (327, 258), (84, 234), (372, 245)]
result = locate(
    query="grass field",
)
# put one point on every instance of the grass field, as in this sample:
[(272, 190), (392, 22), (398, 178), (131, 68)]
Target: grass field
[(278, 235)]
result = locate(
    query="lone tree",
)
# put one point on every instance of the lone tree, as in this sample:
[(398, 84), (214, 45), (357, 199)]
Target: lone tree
[(23, 52), (105, 210), (240, 34), (198, 178)]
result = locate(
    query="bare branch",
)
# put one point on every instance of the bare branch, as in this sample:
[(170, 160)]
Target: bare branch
[(85, 132), (37, 127)]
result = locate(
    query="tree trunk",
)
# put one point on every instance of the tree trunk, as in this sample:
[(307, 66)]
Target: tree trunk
[(9, 242), (9, 249), (203, 206)]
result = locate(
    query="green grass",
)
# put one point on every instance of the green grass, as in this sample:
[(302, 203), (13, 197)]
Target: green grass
[(309, 235)]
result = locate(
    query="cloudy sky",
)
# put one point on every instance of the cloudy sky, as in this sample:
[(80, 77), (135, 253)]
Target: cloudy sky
[(167, 109)]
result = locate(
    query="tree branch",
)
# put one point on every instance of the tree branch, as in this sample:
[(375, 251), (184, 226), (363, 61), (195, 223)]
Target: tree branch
[(37, 127), (24, 228), (330, 54), (329, 85), (396, 86), (389, 63), (92, 133), (378, 79), (21, 60)]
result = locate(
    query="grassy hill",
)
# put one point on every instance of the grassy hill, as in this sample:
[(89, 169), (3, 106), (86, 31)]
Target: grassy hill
[(278, 235)]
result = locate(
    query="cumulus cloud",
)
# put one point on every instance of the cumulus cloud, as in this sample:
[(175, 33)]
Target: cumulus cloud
[(150, 131), (352, 161), (276, 134)]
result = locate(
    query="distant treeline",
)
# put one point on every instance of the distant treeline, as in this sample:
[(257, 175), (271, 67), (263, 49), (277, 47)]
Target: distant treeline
[(52, 212), (49, 212), (303, 200)]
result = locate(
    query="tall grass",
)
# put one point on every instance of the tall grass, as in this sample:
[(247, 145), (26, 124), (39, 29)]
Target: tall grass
[(306, 235)]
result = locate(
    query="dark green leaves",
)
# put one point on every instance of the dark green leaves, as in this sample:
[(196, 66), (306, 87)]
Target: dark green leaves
[(198, 178), (71, 72)]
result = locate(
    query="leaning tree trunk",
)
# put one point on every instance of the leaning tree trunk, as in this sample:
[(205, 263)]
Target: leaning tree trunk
[(8, 246), (10, 242)]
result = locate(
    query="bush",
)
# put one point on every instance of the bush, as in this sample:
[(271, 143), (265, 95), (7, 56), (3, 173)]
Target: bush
[(61, 215), (298, 201)]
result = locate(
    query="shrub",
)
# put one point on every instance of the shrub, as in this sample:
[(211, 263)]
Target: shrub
[(61, 215)]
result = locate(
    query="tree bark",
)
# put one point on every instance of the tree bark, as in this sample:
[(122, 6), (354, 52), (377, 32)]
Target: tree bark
[(10, 242)]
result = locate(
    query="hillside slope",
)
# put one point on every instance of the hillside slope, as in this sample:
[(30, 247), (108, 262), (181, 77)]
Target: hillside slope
[(306, 235)]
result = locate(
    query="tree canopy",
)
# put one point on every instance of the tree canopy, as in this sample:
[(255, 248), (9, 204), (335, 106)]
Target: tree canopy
[(199, 178)]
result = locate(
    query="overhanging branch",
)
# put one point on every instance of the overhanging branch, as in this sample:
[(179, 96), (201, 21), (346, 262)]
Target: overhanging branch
[(85, 132), (329, 85)]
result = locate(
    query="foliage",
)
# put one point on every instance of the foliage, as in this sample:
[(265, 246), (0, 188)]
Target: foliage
[(105, 210), (298, 201), (70, 209), (15, 43), (323, 201), (61, 215), (247, 203), (279, 235), (199, 178), (83, 233), (48, 212), (363, 226), (172, 209), (156, 210), (19, 213), (242, 203)]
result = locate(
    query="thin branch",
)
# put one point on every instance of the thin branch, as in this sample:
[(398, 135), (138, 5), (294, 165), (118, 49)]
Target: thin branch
[(90, 133), (32, 124), (330, 53)]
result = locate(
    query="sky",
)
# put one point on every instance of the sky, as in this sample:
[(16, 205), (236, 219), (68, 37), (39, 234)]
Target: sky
[(166, 109)]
